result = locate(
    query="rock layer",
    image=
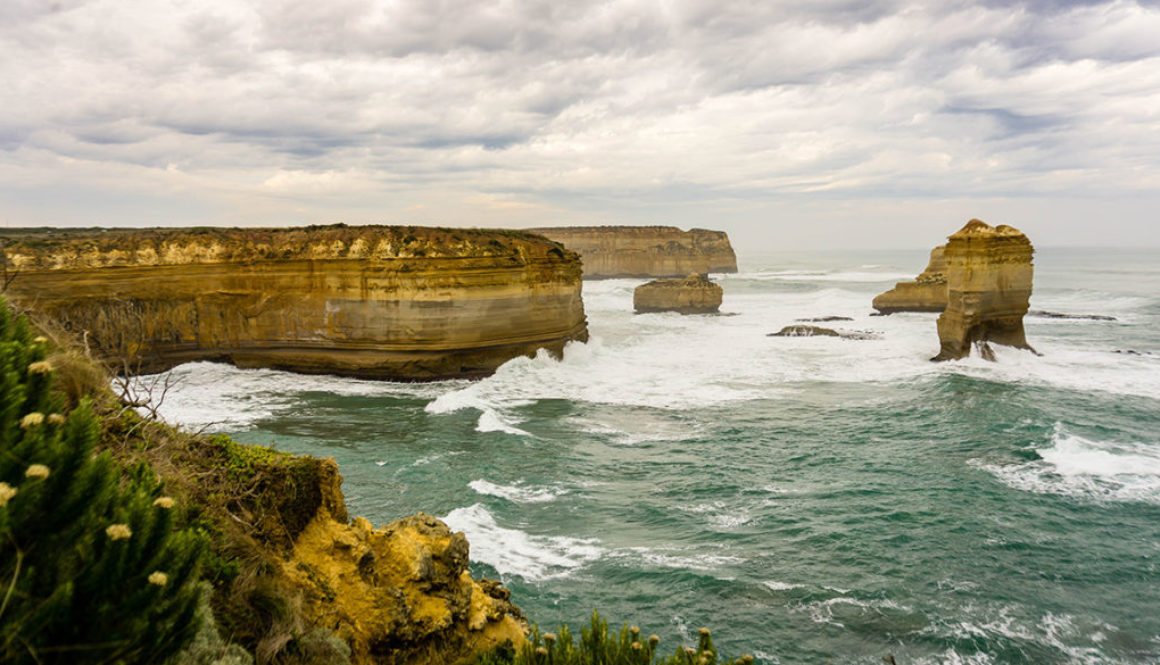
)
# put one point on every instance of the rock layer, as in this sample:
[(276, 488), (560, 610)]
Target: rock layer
[(646, 251), (382, 302), (989, 274), (696, 294), (927, 293)]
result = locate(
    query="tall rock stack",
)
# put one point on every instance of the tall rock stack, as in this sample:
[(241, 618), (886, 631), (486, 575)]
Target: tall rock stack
[(988, 290), (927, 293)]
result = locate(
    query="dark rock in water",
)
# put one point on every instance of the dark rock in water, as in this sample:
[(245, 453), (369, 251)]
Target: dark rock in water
[(1075, 317), (1133, 352), (805, 331), (817, 331), (825, 319)]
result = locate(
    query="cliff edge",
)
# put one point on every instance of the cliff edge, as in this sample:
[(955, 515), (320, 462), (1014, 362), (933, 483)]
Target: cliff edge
[(384, 302), (989, 274), (645, 251)]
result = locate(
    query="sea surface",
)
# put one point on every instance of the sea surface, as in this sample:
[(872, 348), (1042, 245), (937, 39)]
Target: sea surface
[(811, 500)]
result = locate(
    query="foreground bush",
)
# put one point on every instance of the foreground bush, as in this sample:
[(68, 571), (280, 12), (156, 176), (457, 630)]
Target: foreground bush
[(91, 568), (599, 646)]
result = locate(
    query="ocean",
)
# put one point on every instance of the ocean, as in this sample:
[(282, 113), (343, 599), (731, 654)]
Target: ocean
[(809, 499)]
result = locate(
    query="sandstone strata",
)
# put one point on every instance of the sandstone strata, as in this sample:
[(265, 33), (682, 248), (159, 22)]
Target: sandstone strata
[(646, 251), (374, 301), (695, 294), (988, 289), (927, 293)]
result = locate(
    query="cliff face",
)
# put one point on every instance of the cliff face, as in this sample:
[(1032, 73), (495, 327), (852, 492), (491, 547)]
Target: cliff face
[(378, 302), (989, 275), (695, 294), (400, 594), (927, 293), (646, 251)]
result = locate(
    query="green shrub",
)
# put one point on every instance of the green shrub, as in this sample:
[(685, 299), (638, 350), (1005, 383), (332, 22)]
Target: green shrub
[(600, 646), (91, 568)]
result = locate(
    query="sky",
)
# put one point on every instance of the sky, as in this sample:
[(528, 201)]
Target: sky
[(828, 123)]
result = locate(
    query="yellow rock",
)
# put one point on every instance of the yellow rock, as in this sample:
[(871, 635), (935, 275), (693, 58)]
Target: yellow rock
[(989, 274), (372, 301), (695, 294), (927, 293), (646, 251)]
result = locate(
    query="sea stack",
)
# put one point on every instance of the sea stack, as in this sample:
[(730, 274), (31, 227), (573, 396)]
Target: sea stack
[(645, 251), (695, 294), (927, 293), (382, 302), (989, 274)]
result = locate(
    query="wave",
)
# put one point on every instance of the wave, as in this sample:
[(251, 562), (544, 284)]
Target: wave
[(1078, 467), (861, 276), (517, 493), (514, 552)]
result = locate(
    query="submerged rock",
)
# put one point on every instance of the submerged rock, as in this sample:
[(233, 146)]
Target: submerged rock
[(1072, 317), (989, 275), (825, 319), (695, 294), (818, 331), (645, 251), (927, 293)]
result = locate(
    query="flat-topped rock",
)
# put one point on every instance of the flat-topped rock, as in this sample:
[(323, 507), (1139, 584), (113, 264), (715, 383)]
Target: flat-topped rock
[(646, 251), (695, 294), (989, 273), (386, 302), (927, 293)]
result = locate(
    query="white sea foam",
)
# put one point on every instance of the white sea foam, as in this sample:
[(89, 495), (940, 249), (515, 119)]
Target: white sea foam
[(517, 493), (818, 276), (222, 397), (514, 552), (680, 558), (774, 585), (1075, 466), (491, 421)]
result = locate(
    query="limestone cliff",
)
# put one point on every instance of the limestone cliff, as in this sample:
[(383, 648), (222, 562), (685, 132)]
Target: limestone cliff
[(695, 294), (989, 275), (383, 302), (400, 594), (927, 293), (646, 251)]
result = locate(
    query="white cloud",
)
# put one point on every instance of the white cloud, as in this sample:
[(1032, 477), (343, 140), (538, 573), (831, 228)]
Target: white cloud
[(514, 112)]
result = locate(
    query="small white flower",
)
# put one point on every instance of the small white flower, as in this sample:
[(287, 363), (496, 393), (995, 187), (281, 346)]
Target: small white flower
[(40, 367), (37, 471), (163, 502), (40, 340), (159, 578), (55, 419), (6, 493), (118, 532), (32, 420)]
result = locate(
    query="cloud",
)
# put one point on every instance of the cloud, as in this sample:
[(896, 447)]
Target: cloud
[(271, 111)]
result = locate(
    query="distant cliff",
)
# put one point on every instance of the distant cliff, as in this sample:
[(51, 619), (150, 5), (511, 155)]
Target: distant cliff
[(927, 293), (404, 303), (989, 275), (646, 251)]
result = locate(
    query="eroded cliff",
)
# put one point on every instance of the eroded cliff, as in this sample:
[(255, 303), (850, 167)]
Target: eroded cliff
[(927, 293), (404, 303), (646, 251), (989, 274)]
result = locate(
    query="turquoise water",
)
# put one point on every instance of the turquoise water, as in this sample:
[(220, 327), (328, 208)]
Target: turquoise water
[(812, 500)]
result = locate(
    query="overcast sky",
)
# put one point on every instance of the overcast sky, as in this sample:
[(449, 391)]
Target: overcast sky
[(838, 123)]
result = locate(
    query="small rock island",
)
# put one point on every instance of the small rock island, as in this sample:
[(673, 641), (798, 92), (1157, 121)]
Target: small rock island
[(927, 293), (695, 294), (989, 273)]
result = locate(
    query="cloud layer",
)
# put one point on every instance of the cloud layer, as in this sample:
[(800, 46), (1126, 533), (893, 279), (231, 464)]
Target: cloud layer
[(731, 113)]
